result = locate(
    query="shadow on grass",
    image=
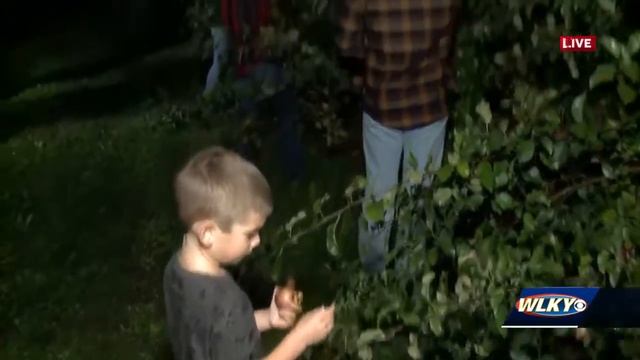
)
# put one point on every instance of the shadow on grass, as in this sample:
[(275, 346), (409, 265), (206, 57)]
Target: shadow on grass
[(165, 74)]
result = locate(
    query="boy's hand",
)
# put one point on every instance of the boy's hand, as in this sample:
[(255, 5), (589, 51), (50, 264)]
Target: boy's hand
[(315, 325), (284, 316)]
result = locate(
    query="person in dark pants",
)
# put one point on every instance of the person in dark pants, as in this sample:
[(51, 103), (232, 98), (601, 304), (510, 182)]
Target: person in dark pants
[(260, 79)]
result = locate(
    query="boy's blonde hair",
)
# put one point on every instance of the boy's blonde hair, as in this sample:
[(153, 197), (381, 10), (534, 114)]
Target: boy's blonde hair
[(220, 185)]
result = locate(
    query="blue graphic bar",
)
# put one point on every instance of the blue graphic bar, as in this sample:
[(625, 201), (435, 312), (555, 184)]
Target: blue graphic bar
[(573, 307)]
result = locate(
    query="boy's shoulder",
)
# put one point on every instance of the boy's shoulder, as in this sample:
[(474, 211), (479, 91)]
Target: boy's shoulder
[(196, 288)]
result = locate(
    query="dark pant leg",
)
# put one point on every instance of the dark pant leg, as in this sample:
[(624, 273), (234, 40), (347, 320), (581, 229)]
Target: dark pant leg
[(285, 105), (248, 106)]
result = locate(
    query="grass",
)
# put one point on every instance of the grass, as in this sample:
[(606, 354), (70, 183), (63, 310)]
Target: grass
[(165, 74), (88, 224)]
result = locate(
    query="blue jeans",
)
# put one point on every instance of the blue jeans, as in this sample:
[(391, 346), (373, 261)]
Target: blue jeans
[(383, 148), (220, 48)]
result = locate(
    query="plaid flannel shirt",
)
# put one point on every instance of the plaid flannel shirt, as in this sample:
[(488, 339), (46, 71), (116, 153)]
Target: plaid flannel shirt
[(406, 46)]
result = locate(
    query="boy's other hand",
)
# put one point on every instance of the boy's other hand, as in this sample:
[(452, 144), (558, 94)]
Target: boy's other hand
[(315, 325), (283, 317)]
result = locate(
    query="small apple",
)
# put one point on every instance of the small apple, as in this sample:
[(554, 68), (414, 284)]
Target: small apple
[(287, 296)]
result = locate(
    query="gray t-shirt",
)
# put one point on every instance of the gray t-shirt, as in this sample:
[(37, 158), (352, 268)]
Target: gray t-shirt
[(208, 317)]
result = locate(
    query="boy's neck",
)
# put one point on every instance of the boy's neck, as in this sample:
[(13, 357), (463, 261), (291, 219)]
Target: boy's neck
[(193, 258)]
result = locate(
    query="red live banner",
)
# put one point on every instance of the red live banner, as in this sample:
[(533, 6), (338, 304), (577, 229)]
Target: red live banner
[(578, 43)]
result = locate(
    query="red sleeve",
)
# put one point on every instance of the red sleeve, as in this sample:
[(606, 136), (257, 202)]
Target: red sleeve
[(224, 13), (265, 12), (228, 12), (235, 22)]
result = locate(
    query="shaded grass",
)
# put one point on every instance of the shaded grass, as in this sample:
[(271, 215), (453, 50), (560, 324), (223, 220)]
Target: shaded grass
[(60, 49), (168, 73), (88, 224)]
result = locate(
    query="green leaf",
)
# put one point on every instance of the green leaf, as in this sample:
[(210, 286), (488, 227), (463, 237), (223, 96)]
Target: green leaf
[(445, 241), (427, 278), (332, 242), (486, 175), (374, 211), (607, 170), (548, 145), (414, 177), (432, 256), (411, 319), (475, 185), (519, 355), (369, 336), (552, 116), (462, 288), (390, 308), (517, 22), (317, 205), (633, 44), (529, 222), (551, 21), (609, 217), (577, 107), (484, 349), (365, 353), (301, 215), (608, 6), (553, 268), (537, 197), (504, 200), (525, 151), (573, 67), (613, 46), (414, 352), (626, 92), (453, 158), (533, 175), (442, 195), (413, 163), (484, 110), (357, 184), (604, 73), (360, 182), (496, 298), (603, 258), (496, 140), (474, 201), (500, 171), (631, 69), (444, 173), (463, 168), (560, 154), (436, 325)]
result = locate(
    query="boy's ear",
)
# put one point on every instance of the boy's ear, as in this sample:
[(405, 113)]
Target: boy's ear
[(205, 230)]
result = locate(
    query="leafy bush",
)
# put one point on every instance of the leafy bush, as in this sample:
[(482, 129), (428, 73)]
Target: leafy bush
[(539, 188)]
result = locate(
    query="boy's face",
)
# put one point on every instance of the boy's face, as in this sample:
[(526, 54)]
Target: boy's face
[(231, 247)]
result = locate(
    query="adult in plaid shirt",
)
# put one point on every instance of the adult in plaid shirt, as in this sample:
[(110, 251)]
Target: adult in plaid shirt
[(404, 48)]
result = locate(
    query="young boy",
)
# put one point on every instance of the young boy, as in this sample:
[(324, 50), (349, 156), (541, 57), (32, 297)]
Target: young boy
[(224, 200)]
